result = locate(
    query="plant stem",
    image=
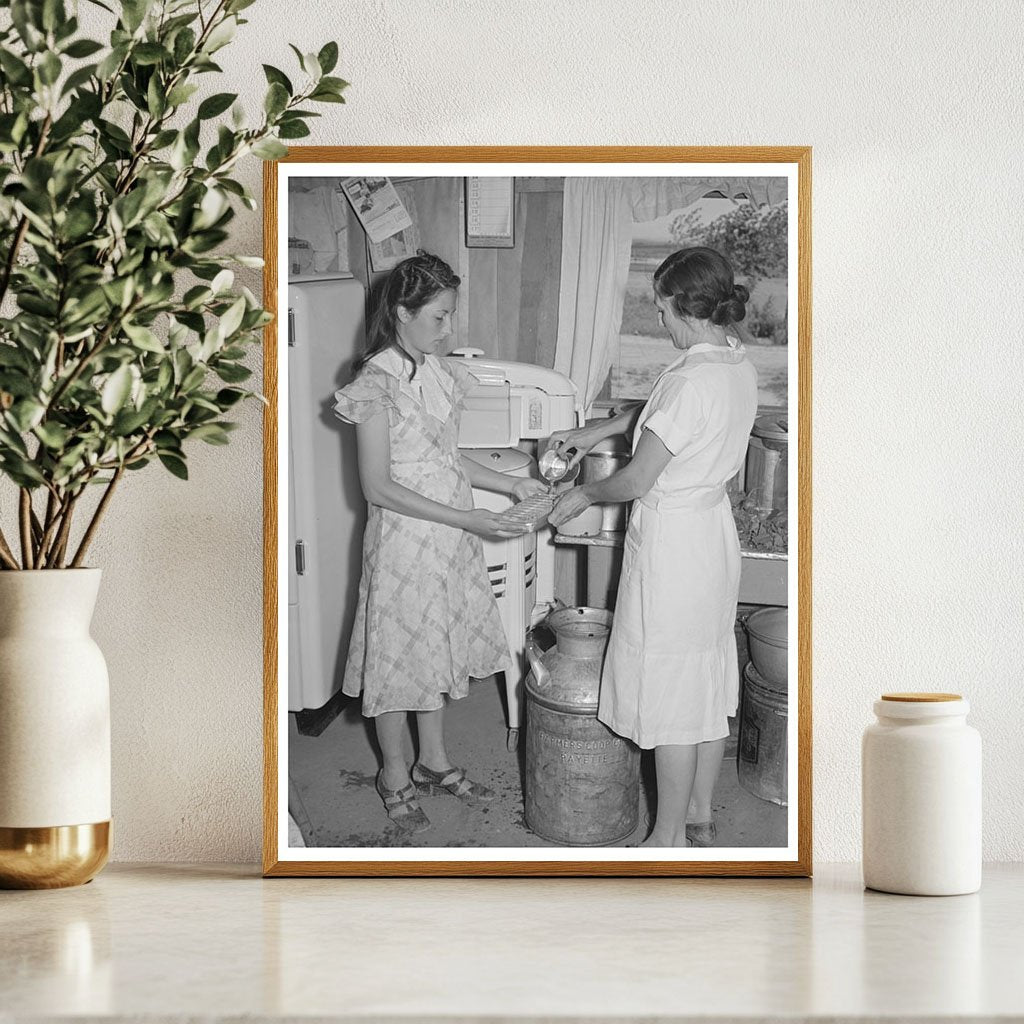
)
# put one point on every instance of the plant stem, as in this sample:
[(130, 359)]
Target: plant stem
[(56, 555), (54, 510), (97, 516), (25, 522), (6, 555)]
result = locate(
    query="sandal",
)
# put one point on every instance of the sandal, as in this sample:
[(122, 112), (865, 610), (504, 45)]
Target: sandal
[(402, 806), (701, 833), (451, 780)]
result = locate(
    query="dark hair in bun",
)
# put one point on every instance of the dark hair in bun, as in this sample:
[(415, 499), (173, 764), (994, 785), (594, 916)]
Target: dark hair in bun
[(412, 284), (699, 283)]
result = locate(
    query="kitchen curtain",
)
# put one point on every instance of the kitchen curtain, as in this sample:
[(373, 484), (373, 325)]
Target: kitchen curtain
[(597, 240)]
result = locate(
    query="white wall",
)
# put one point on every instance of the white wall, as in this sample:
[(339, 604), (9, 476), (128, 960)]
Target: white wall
[(914, 113)]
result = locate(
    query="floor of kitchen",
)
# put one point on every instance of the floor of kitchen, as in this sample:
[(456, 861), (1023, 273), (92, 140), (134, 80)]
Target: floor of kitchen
[(335, 804)]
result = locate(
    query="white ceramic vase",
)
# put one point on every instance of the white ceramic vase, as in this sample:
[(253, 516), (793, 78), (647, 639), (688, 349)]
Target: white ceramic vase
[(54, 731), (921, 775)]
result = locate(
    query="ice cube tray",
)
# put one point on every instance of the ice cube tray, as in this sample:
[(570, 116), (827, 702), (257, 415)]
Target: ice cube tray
[(532, 511)]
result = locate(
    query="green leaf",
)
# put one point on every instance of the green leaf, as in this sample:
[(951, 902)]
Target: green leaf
[(145, 54), (11, 356), (215, 105), (77, 79), (232, 319), (211, 433), (326, 96), (279, 77), (328, 58), (109, 65), (49, 68), (134, 13), (116, 390), (164, 376), (255, 262), (276, 99), (269, 149), (181, 94), (163, 139), (232, 373), (26, 21), (128, 421), (36, 304), (195, 296), (83, 48), (292, 130), (227, 397), (184, 44), (21, 471), (144, 338), (221, 35), (175, 464), (193, 379), (222, 282), (53, 435), (16, 70), (26, 414)]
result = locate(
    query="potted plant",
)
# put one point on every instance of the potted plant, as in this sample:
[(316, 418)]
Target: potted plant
[(122, 341)]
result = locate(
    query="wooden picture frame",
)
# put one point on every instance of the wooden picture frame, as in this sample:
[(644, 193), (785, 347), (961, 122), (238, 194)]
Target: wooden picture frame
[(533, 168)]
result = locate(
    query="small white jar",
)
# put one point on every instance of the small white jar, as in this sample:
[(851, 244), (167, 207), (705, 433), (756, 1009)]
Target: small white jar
[(921, 790)]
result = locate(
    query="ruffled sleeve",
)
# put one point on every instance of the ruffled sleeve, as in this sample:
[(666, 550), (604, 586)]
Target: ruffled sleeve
[(371, 393), (674, 412), (464, 378)]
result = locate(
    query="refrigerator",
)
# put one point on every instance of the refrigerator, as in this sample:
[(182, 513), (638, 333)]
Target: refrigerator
[(326, 508)]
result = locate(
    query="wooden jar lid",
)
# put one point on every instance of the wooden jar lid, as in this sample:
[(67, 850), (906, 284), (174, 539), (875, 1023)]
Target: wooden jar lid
[(921, 698)]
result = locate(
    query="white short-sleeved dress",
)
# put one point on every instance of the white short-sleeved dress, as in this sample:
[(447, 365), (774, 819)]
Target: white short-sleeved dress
[(426, 619), (670, 675)]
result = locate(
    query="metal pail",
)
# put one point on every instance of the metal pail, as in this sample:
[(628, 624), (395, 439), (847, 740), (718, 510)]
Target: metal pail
[(762, 757)]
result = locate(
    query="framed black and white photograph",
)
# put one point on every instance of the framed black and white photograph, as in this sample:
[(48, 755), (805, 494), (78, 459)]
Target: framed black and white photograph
[(537, 530)]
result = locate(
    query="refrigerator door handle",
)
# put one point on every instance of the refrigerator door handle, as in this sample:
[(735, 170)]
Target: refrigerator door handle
[(300, 558)]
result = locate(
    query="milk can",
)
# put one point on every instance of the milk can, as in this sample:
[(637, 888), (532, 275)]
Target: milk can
[(582, 782), (921, 777)]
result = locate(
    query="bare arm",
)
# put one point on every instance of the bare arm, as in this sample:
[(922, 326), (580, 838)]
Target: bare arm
[(487, 479), (634, 480), (585, 438)]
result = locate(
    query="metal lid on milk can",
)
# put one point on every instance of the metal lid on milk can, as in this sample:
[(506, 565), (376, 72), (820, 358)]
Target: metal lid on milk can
[(504, 460)]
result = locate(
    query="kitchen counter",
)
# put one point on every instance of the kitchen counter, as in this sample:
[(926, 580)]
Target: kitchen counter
[(764, 575), (179, 942)]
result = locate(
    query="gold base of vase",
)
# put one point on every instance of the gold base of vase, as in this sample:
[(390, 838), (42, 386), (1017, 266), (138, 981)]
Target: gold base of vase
[(51, 858)]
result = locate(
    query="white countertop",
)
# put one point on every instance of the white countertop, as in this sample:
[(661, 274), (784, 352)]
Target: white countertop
[(182, 941)]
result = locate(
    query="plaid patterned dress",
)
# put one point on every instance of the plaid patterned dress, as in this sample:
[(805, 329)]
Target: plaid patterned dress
[(426, 619)]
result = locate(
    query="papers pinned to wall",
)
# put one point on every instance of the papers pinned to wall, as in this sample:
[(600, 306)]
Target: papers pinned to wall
[(376, 204)]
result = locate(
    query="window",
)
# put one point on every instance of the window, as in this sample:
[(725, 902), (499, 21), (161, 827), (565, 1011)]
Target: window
[(754, 239)]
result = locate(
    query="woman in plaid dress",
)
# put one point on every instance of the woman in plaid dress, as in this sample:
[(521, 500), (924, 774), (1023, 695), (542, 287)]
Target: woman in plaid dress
[(426, 619)]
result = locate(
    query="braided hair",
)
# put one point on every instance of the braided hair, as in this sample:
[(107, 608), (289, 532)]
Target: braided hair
[(699, 283), (412, 284)]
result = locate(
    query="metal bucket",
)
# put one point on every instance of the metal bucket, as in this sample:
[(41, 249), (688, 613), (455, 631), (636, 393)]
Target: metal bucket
[(606, 458), (582, 782), (762, 757), (767, 472)]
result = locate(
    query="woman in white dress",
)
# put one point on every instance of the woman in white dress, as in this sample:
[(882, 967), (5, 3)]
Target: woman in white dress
[(671, 680)]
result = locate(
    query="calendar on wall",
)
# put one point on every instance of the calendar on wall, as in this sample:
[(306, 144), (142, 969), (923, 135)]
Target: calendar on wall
[(490, 213)]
